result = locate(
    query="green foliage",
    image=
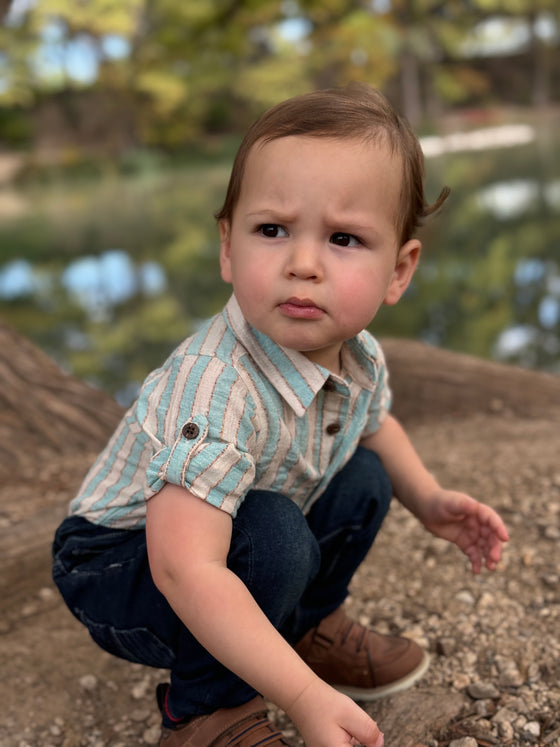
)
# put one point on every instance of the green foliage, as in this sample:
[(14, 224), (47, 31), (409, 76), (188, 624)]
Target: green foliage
[(94, 18), (15, 127), (210, 65)]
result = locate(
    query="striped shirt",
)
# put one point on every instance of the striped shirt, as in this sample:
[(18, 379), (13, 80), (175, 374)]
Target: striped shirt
[(230, 411)]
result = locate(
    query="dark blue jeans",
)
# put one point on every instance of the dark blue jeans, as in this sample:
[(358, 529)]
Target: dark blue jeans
[(297, 568)]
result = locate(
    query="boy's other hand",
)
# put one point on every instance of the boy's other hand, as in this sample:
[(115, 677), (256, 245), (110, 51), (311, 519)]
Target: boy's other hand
[(327, 718), (473, 526)]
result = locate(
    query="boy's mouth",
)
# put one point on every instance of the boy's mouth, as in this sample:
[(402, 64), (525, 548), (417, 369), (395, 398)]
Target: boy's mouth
[(301, 308)]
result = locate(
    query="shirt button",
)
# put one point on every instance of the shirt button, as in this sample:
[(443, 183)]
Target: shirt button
[(333, 428), (329, 386), (190, 431)]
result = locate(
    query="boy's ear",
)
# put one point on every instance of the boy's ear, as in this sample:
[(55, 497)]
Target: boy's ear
[(225, 250), (407, 261)]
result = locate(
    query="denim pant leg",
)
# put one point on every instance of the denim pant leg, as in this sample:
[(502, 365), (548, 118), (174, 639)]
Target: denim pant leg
[(345, 521), (104, 577)]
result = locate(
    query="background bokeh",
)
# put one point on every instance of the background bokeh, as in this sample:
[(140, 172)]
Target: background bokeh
[(119, 120)]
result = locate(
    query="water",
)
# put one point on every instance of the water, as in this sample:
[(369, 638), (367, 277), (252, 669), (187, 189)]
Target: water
[(108, 275)]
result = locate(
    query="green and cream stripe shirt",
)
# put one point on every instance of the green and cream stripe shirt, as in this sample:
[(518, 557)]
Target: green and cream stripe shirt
[(230, 411)]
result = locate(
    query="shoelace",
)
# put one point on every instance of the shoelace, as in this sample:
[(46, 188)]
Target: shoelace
[(361, 641)]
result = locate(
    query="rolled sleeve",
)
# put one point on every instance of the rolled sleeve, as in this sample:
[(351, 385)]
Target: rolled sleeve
[(209, 452), (381, 402)]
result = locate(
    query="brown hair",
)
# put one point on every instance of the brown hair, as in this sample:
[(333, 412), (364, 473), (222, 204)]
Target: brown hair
[(356, 111)]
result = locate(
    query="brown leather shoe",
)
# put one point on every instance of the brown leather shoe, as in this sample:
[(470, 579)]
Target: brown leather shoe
[(245, 726), (360, 662)]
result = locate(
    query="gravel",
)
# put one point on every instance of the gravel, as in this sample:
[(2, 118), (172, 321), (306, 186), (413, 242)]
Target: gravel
[(494, 638)]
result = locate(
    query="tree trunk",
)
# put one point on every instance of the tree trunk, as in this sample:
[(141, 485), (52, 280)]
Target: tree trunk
[(43, 411), (4, 8), (410, 87), (429, 383), (540, 64)]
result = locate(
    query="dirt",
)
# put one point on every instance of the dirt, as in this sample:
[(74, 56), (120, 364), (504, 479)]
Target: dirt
[(494, 639)]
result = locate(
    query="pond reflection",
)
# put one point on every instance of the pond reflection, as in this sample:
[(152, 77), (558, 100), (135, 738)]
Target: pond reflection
[(100, 283), (108, 276)]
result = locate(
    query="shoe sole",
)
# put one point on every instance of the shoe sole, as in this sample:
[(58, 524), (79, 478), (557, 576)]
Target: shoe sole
[(359, 693)]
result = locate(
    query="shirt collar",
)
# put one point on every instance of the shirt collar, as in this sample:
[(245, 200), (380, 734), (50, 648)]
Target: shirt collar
[(294, 376)]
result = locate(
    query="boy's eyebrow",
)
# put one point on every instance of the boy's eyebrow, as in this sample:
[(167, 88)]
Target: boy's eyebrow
[(277, 213), (286, 214), (352, 222)]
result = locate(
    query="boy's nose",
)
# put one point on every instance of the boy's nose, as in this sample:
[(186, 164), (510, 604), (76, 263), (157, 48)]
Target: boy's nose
[(304, 261)]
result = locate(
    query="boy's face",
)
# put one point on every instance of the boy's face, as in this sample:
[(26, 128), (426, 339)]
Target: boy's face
[(312, 249)]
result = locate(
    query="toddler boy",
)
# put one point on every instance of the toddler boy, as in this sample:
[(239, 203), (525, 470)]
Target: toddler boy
[(217, 533)]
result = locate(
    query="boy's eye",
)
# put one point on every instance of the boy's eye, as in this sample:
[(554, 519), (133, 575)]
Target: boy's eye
[(344, 239), (272, 230)]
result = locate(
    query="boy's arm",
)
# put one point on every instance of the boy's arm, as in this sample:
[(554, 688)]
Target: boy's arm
[(411, 481), (474, 527), (188, 543)]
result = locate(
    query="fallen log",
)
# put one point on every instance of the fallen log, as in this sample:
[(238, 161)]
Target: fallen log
[(44, 412), (428, 382)]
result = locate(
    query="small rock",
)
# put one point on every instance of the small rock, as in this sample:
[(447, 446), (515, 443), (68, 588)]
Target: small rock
[(486, 602), (483, 690), (418, 635), (446, 646), (484, 708), (461, 680), (464, 742), (519, 723), (152, 735), (552, 533), (504, 719), (506, 731), (527, 557), (504, 714), (46, 594), (88, 682), (533, 728), (465, 597), (28, 609), (511, 678), (140, 689)]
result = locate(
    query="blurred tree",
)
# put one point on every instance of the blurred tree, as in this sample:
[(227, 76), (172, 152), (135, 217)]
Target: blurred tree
[(160, 72), (536, 23)]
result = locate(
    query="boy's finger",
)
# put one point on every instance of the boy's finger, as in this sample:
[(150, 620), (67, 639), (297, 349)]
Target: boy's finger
[(366, 732)]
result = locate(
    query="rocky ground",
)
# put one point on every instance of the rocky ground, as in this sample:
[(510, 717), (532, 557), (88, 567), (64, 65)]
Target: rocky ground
[(494, 639)]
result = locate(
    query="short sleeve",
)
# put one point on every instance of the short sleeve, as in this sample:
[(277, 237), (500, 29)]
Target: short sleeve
[(382, 397), (210, 450)]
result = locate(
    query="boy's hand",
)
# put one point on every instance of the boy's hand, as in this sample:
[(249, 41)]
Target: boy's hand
[(474, 527), (326, 718)]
